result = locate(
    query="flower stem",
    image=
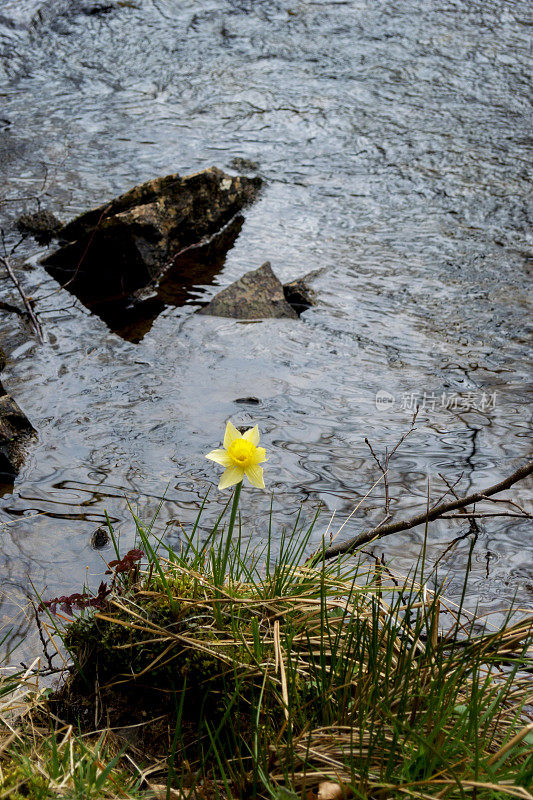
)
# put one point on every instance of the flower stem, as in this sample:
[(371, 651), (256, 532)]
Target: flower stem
[(223, 562), (220, 564), (234, 509)]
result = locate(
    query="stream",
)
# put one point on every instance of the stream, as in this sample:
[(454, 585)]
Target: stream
[(392, 138)]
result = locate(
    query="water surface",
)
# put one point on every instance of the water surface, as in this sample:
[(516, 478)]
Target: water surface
[(393, 140)]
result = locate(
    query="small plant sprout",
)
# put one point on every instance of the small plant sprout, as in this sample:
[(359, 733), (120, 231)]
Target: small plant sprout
[(241, 456)]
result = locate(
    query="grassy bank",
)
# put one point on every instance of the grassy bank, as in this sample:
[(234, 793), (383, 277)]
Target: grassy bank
[(212, 671)]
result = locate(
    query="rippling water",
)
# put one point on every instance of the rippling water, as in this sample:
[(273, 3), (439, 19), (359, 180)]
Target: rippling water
[(393, 139)]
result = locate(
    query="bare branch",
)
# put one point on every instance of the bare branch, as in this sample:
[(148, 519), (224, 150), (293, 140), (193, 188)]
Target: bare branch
[(483, 514), (406, 434), (426, 516), (4, 260)]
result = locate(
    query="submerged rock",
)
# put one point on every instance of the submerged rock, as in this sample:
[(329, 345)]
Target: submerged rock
[(42, 225), (244, 164), (15, 433), (116, 255), (93, 9), (257, 295), (51, 11), (100, 538)]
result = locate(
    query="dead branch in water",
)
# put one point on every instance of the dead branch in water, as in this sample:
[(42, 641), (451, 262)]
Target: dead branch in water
[(426, 516), (4, 260)]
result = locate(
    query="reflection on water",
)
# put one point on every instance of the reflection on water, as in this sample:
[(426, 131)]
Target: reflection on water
[(130, 310), (393, 141)]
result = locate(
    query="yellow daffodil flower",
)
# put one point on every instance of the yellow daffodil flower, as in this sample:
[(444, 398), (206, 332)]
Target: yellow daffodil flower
[(241, 456)]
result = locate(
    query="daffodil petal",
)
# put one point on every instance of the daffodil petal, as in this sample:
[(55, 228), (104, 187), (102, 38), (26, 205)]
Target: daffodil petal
[(260, 455), (254, 473), (231, 476), (220, 457), (252, 435), (231, 434)]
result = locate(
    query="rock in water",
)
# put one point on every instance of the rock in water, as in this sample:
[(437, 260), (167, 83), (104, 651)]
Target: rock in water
[(42, 225), (117, 249), (257, 295), (100, 538), (15, 433)]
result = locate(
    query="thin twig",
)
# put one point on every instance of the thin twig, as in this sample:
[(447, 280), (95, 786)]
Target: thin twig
[(472, 516), (27, 303), (87, 247), (384, 467), (49, 657), (450, 488), (506, 500)]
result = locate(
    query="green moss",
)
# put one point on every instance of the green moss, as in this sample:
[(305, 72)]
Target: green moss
[(20, 782), (148, 674)]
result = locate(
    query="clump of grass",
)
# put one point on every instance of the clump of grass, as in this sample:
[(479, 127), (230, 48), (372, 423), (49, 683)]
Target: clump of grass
[(64, 763), (247, 676), (42, 758)]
